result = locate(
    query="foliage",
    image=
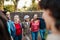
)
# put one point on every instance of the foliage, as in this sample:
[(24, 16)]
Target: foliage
[(15, 4), (33, 1), (9, 8), (33, 7), (1, 4)]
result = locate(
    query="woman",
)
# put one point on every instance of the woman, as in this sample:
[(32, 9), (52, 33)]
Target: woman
[(26, 27), (51, 14), (4, 34), (18, 27), (10, 25), (35, 27)]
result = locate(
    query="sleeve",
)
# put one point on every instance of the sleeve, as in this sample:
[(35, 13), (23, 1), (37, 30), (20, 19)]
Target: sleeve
[(12, 26), (8, 25)]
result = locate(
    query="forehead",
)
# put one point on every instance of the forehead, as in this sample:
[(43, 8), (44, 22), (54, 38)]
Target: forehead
[(35, 15)]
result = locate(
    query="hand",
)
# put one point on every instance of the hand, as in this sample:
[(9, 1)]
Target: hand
[(30, 29)]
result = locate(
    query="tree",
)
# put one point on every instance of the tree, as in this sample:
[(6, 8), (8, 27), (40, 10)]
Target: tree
[(33, 7), (33, 1), (1, 4), (9, 8), (15, 4)]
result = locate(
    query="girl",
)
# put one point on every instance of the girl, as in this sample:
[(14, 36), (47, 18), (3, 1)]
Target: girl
[(35, 27)]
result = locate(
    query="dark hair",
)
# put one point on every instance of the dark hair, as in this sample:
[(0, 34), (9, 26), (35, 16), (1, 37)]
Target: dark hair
[(54, 7), (35, 19), (4, 12), (25, 20), (4, 34)]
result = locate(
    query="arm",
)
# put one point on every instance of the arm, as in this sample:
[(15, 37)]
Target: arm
[(8, 25)]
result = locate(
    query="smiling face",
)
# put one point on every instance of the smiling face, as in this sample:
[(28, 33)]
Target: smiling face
[(35, 16), (16, 19)]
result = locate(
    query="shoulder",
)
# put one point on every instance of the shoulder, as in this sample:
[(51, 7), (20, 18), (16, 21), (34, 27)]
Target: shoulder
[(31, 19), (53, 37)]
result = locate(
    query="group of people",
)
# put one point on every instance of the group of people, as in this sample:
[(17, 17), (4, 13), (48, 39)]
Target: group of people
[(15, 30), (28, 28)]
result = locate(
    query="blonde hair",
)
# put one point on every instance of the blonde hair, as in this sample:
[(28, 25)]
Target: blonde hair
[(16, 17), (8, 13)]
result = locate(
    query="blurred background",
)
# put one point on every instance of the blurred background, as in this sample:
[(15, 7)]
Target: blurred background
[(21, 8), (19, 5)]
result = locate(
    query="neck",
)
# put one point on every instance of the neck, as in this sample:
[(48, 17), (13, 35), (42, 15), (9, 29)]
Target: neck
[(53, 29), (26, 21)]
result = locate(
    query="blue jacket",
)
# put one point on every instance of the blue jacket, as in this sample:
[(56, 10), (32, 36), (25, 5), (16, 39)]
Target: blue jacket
[(11, 28)]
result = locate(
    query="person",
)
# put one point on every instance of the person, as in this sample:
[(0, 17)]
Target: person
[(18, 28), (4, 34), (35, 27), (26, 27), (10, 25), (42, 28), (8, 15), (9, 21), (51, 15)]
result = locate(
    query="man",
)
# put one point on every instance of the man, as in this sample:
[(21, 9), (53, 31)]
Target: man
[(26, 27), (42, 28)]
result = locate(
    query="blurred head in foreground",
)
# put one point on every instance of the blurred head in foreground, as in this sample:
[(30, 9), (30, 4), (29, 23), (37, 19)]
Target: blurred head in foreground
[(51, 13), (4, 34)]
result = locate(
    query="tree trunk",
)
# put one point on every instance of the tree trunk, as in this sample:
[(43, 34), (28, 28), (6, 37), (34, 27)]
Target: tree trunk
[(15, 4), (15, 9), (1, 4)]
